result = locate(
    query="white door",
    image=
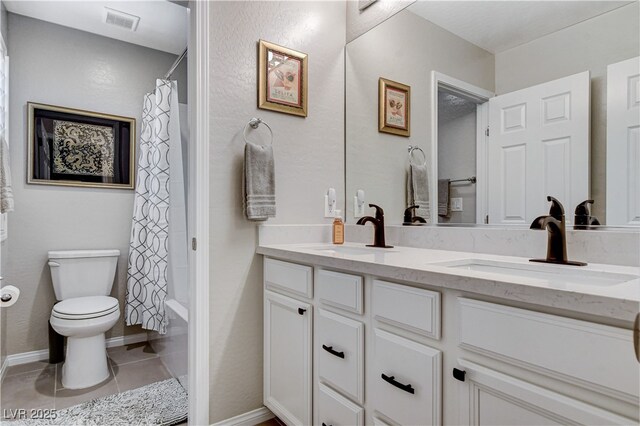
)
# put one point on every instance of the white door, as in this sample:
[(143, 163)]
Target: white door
[(539, 146), (287, 358), (623, 143)]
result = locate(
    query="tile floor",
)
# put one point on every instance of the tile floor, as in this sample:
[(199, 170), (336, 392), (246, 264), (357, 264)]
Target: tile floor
[(39, 385)]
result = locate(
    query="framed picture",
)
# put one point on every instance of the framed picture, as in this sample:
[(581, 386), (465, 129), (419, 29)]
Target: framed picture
[(72, 147), (394, 107), (282, 79)]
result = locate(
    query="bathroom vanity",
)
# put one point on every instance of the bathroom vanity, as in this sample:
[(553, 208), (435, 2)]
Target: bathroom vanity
[(356, 335)]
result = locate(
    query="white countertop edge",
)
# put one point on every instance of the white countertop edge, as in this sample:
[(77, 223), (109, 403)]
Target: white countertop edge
[(620, 302)]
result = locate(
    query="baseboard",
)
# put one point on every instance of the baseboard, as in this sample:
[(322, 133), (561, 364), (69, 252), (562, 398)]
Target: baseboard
[(42, 355), (251, 418)]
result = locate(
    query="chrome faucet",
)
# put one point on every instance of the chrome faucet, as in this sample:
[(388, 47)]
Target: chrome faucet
[(557, 238), (378, 225)]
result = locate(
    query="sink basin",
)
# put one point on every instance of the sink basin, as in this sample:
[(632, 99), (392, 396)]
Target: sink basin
[(349, 250), (554, 274)]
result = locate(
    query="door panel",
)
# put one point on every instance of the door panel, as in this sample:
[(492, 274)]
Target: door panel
[(623, 143), (540, 147)]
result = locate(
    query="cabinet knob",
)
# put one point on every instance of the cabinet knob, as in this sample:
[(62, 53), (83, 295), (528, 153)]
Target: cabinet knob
[(459, 374), (301, 311)]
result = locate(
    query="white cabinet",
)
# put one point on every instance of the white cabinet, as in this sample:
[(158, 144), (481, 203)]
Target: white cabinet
[(405, 380), (287, 358), (335, 410), (490, 398), (340, 353)]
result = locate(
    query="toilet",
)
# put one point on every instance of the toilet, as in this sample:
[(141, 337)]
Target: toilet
[(82, 281)]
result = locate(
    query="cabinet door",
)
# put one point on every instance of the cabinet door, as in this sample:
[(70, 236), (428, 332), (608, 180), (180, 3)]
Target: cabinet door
[(287, 358), (488, 397)]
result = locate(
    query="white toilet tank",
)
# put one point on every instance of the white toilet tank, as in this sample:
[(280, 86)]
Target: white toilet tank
[(79, 273)]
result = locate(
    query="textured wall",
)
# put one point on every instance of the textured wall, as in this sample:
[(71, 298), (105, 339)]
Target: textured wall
[(457, 160), (590, 45), (309, 159), (361, 21), (57, 65), (405, 48)]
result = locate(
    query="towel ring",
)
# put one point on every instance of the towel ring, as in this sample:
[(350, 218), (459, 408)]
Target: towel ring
[(254, 123), (417, 148)]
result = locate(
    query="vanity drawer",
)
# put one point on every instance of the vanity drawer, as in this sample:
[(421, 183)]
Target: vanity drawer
[(290, 277), (335, 410), (340, 352), (595, 356), (405, 382), (413, 309), (340, 290)]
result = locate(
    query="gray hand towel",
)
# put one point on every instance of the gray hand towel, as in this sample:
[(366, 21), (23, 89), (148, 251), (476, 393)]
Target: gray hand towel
[(418, 190), (444, 193), (259, 182)]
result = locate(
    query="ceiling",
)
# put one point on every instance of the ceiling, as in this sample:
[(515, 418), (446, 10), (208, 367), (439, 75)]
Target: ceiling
[(500, 25), (163, 25), (451, 106)]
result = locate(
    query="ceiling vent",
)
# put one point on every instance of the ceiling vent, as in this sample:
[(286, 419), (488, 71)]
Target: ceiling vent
[(121, 19)]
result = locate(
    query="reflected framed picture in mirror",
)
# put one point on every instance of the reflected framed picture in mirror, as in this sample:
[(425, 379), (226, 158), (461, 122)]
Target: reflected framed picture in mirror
[(394, 107), (282, 79), (72, 147)]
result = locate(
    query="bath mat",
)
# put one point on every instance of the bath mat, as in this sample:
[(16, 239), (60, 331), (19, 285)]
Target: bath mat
[(162, 403)]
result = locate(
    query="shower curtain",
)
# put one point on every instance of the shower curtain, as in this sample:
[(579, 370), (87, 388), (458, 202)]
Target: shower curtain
[(148, 271)]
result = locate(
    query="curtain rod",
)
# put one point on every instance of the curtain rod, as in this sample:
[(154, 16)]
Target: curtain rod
[(175, 64)]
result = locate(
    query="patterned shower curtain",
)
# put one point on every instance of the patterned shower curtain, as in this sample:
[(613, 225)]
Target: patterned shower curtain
[(149, 245)]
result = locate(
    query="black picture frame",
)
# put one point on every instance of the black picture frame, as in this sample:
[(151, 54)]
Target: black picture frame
[(73, 147)]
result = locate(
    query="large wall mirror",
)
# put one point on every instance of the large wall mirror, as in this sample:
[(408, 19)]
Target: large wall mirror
[(509, 102)]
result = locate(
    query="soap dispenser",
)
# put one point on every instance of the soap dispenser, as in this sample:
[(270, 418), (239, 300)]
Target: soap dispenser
[(338, 229)]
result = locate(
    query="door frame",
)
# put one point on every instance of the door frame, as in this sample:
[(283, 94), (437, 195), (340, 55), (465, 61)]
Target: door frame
[(198, 212), (481, 96)]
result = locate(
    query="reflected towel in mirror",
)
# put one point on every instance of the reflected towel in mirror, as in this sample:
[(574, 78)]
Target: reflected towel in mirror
[(444, 194), (418, 190)]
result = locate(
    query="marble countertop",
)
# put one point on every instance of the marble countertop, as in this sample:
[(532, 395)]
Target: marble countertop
[(425, 266)]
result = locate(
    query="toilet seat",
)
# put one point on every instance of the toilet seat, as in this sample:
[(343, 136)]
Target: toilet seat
[(80, 308)]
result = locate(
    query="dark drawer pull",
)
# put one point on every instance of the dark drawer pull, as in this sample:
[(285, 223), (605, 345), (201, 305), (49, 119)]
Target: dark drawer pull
[(324, 424), (301, 311), (459, 374), (391, 380), (332, 352)]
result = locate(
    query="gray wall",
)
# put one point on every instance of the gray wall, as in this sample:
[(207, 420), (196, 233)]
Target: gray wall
[(457, 160), (405, 48), (590, 45), (309, 155), (4, 245), (60, 66)]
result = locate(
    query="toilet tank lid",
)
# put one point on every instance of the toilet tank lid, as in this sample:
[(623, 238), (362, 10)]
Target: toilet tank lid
[(70, 254)]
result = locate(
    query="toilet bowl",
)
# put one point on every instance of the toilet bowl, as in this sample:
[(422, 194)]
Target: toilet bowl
[(84, 321), (82, 281)]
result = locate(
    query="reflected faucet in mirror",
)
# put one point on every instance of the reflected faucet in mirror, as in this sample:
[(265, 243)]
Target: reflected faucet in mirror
[(554, 223), (583, 218), (378, 225), (410, 217)]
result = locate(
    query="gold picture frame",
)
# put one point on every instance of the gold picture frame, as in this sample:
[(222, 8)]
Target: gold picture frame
[(282, 79), (74, 147), (394, 107)]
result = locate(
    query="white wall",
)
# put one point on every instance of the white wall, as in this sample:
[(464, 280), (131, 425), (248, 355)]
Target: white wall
[(361, 21), (457, 160), (309, 156), (60, 66), (405, 48), (590, 45)]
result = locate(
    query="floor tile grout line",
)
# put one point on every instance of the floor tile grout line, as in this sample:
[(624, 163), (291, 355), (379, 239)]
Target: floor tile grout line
[(133, 362)]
